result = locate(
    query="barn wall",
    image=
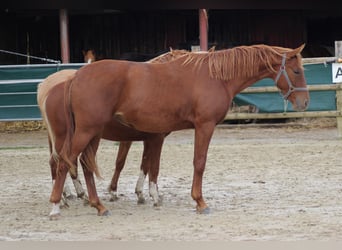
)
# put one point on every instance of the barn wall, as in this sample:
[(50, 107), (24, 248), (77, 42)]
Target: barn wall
[(114, 35), (121, 34), (245, 27)]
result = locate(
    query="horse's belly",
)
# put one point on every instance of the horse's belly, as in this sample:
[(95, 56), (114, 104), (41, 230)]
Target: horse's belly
[(162, 123)]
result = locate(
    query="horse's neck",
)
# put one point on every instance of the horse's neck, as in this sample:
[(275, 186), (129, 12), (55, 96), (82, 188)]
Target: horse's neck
[(235, 86)]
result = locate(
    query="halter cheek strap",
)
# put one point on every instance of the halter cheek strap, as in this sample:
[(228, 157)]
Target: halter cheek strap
[(282, 71), (292, 89)]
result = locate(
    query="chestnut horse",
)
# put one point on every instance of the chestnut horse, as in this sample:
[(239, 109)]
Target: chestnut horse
[(193, 91), (89, 56), (50, 96)]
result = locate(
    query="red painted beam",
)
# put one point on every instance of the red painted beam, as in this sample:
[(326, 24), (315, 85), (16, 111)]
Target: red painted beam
[(203, 29), (64, 35)]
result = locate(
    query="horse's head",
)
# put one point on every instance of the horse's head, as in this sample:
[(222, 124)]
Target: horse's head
[(89, 56), (291, 81)]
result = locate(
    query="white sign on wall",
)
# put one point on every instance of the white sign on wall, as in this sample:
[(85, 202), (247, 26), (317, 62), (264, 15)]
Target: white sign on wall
[(195, 48), (337, 72)]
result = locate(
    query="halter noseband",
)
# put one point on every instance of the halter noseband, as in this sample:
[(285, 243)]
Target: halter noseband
[(289, 83)]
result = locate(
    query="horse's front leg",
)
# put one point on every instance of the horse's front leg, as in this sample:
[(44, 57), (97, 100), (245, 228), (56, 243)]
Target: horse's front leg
[(119, 164), (203, 134)]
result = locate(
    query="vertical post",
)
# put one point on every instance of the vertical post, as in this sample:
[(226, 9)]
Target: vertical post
[(64, 35), (203, 29), (338, 55)]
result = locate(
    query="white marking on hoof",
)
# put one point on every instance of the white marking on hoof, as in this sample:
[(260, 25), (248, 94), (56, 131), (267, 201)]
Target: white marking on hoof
[(78, 187), (64, 202), (113, 196), (154, 194), (66, 191), (140, 187), (55, 212)]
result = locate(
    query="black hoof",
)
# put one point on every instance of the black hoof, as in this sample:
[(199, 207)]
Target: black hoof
[(204, 211), (106, 213), (141, 201), (114, 198), (159, 203)]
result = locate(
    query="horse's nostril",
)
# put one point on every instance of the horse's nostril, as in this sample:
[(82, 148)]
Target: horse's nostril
[(306, 103)]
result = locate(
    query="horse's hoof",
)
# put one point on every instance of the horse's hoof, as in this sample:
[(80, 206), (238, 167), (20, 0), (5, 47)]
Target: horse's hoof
[(86, 202), (81, 195), (70, 197), (113, 198), (141, 200), (64, 205), (203, 211), (55, 216), (159, 203), (105, 213)]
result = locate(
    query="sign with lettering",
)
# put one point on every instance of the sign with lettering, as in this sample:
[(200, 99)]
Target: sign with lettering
[(337, 72)]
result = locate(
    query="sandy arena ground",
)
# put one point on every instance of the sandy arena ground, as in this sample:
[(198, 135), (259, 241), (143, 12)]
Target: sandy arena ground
[(261, 183)]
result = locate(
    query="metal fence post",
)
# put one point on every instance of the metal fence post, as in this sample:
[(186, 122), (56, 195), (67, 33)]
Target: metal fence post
[(339, 109), (338, 56)]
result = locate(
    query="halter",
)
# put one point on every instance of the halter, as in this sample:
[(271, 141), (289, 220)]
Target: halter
[(292, 89)]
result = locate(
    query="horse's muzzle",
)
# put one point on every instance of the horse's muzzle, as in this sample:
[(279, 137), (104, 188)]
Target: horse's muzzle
[(301, 104)]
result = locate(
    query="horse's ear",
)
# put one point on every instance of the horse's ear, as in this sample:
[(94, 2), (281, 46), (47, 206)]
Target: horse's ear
[(300, 48), (212, 49), (296, 51)]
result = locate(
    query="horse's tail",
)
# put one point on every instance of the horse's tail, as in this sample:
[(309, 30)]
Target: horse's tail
[(43, 90), (88, 154), (88, 157), (70, 128)]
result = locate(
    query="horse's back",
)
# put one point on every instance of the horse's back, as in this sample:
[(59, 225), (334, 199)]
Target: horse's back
[(52, 80), (136, 92)]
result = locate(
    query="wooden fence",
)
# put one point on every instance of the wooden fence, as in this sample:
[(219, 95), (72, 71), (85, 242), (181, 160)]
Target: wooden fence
[(310, 114), (238, 116)]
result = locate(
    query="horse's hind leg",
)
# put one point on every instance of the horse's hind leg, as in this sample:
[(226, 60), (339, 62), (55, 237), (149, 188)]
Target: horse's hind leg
[(78, 186), (152, 152), (119, 164), (67, 161), (56, 194), (53, 167), (66, 189), (144, 168), (88, 163), (54, 158)]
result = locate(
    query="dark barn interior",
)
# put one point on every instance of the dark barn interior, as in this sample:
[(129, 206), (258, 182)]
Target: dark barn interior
[(140, 35)]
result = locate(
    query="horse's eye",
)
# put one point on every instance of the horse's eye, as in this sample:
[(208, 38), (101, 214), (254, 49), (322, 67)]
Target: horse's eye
[(296, 71)]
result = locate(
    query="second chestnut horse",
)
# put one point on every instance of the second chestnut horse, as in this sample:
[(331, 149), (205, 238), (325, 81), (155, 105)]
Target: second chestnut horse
[(50, 96), (193, 91)]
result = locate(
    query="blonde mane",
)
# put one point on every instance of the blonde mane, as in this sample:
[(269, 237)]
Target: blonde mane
[(168, 56), (243, 61)]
